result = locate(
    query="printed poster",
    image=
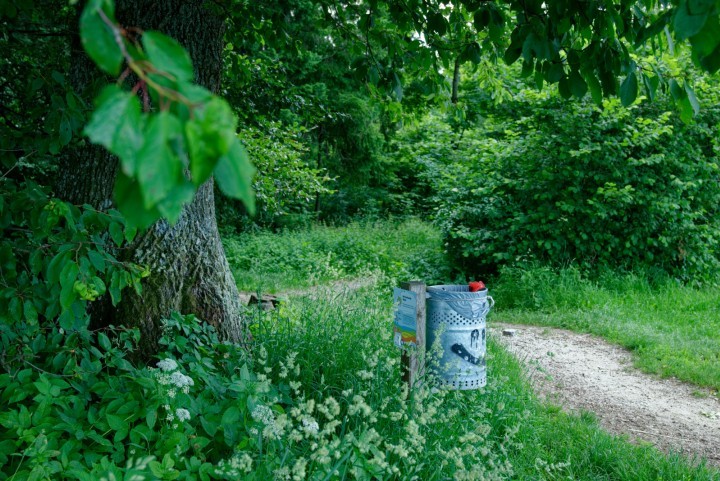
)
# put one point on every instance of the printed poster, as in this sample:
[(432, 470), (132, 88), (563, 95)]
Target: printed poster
[(405, 322)]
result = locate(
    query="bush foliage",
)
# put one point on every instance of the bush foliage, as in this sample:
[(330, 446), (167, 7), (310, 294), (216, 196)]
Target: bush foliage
[(563, 183)]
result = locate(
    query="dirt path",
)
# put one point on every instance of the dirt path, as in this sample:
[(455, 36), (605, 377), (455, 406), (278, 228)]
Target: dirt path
[(583, 372), (341, 286)]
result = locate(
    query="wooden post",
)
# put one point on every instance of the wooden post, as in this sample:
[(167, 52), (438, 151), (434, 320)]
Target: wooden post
[(411, 363)]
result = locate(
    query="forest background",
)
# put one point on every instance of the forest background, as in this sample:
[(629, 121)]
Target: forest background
[(581, 135)]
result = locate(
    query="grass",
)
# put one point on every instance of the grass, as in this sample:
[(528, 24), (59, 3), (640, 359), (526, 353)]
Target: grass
[(272, 262), (673, 330), (500, 432), (344, 348)]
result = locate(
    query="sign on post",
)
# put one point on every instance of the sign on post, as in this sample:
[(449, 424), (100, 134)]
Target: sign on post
[(405, 326), (409, 328)]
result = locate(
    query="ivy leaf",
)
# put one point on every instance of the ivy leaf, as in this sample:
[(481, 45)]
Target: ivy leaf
[(234, 174), (98, 38), (629, 89), (168, 55), (159, 169)]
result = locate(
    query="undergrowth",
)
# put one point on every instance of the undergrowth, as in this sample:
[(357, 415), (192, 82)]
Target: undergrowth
[(272, 262)]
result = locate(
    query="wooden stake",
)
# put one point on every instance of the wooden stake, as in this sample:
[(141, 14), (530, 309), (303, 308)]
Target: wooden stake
[(411, 363)]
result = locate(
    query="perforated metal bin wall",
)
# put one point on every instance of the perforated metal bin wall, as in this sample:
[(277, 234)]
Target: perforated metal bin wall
[(457, 317)]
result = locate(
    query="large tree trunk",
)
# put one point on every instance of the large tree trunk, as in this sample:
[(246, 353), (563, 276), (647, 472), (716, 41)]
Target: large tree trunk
[(190, 272)]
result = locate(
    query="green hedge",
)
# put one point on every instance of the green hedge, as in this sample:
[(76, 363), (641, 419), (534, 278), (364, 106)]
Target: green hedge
[(568, 183)]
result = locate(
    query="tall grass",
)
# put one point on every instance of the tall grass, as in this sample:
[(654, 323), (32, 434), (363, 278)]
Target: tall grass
[(344, 347), (673, 330), (340, 342), (273, 262)]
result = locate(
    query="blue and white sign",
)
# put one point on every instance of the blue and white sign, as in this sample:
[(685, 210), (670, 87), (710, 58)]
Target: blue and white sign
[(405, 322)]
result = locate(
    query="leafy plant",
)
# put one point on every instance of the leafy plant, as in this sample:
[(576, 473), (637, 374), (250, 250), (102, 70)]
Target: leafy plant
[(193, 130), (560, 183)]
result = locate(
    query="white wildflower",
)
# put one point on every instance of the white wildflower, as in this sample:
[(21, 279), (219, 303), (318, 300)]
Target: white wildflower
[(167, 365), (298, 469), (310, 426), (181, 380), (182, 414), (263, 414)]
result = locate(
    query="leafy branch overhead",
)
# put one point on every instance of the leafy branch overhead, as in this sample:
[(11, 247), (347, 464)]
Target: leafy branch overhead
[(178, 127)]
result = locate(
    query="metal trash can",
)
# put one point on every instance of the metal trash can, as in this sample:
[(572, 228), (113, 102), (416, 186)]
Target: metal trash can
[(457, 316)]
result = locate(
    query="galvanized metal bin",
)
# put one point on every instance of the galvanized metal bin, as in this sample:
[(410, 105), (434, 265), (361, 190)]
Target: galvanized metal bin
[(457, 317)]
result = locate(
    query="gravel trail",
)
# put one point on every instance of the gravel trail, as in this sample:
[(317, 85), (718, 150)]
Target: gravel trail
[(584, 372)]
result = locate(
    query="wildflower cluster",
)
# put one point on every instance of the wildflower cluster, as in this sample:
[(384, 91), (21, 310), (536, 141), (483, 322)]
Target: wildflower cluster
[(172, 380)]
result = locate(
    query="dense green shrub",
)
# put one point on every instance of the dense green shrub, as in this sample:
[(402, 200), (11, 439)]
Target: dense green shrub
[(569, 183), (286, 183)]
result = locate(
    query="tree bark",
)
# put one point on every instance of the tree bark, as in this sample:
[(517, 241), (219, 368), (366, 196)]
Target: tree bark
[(455, 81), (189, 270)]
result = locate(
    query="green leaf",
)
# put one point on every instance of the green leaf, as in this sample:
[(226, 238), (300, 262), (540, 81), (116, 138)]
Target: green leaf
[(116, 233), (578, 86), (651, 85), (117, 125), (555, 73), (564, 87), (65, 130), (512, 54), (129, 199), (97, 259), (234, 174), (706, 45), (68, 276), (436, 23), (682, 101), (690, 17), (159, 169), (56, 265), (104, 341), (481, 19), (231, 416), (99, 39), (116, 423), (692, 98), (171, 206), (29, 312), (151, 418), (168, 55), (629, 89), (209, 135), (539, 78), (595, 88)]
